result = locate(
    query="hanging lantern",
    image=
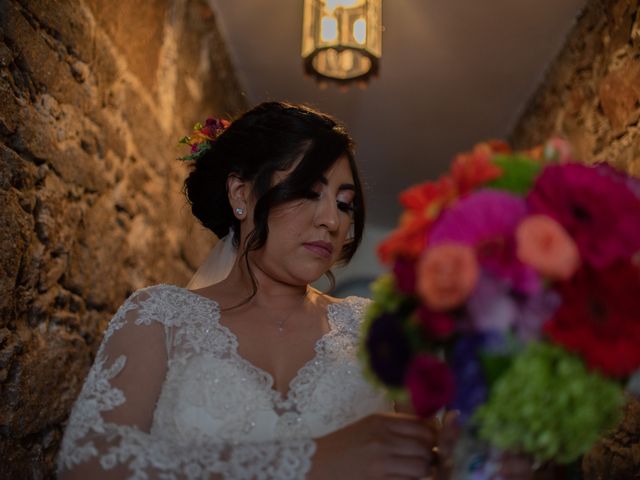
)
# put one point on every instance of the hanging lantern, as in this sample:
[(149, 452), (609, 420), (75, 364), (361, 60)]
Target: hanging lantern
[(342, 39)]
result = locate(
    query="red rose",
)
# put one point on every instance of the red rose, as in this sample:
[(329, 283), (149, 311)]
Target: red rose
[(430, 383), (436, 325)]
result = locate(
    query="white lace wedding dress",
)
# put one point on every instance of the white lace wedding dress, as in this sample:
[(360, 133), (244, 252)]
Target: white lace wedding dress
[(170, 397)]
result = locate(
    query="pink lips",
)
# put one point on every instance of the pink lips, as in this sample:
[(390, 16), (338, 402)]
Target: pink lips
[(323, 249)]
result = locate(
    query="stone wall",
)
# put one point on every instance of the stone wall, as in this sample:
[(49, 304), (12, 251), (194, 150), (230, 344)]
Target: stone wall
[(93, 97), (591, 93)]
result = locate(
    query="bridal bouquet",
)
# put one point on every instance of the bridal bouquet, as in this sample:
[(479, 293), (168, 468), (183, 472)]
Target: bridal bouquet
[(514, 298)]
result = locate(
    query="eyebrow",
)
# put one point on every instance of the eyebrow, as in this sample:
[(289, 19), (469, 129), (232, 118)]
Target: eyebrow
[(344, 186)]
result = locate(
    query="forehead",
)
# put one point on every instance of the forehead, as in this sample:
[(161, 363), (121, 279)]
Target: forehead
[(339, 171)]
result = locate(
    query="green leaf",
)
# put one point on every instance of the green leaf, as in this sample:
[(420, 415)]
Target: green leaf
[(518, 173)]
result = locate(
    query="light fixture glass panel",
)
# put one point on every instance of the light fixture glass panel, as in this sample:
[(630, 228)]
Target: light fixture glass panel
[(342, 39)]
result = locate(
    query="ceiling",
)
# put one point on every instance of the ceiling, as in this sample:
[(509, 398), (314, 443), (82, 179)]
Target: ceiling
[(453, 72)]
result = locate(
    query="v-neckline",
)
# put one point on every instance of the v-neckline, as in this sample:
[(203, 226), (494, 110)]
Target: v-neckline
[(281, 400)]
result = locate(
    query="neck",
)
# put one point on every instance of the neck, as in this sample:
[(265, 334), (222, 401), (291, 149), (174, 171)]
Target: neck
[(270, 291)]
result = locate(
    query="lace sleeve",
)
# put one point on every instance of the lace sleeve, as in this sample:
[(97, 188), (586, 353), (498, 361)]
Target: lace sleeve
[(109, 431)]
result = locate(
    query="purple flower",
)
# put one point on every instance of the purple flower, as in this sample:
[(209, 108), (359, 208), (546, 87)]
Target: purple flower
[(494, 306), (596, 205), (487, 220), (388, 349), (471, 384)]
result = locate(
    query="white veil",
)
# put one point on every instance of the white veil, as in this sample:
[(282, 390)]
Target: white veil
[(217, 265)]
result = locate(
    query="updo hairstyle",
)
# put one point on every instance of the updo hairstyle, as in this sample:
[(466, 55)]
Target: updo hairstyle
[(264, 140)]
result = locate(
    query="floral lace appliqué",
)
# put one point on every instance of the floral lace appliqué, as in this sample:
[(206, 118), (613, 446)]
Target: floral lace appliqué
[(328, 389)]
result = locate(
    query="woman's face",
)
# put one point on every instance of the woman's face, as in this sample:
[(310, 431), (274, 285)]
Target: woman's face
[(306, 236)]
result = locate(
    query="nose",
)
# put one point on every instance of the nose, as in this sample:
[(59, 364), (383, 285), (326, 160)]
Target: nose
[(327, 214)]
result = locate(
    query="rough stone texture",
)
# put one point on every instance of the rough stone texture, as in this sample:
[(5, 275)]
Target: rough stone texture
[(591, 96), (617, 457), (93, 97), (591, 93)]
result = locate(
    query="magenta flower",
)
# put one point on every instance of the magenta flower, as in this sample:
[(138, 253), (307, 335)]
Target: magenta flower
[(632, 183), (430, 383), (596, 207), (487, 220)]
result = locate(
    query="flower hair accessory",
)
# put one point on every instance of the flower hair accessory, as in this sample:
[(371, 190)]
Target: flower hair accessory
[(203, 137)]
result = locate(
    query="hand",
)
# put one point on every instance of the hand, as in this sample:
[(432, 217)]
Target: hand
[(448, 434), (379, 446), (515, 466)]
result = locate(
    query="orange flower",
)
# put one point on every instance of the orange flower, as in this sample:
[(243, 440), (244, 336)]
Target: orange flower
[(474, 168), (547, 247), (423, 204), (428, 198), (447, 273), (406, 241)]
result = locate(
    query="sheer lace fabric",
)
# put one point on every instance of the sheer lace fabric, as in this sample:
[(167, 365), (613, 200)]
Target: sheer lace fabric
[(170, 397)]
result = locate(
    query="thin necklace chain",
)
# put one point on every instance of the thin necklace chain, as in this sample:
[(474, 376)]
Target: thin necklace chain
[(281, 323)]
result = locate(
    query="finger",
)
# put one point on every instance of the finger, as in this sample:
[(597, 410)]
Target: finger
[(450, 433), (409, 447), (516, 466), (412, 427), (410, 467)]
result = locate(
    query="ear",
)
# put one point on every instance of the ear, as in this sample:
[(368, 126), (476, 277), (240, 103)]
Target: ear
[(238, 191)]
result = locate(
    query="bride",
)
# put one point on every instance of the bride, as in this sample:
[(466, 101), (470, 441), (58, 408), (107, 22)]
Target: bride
[(255, 376)]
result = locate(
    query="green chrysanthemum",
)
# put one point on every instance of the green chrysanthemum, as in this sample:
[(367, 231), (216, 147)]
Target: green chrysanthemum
[(547, 404)]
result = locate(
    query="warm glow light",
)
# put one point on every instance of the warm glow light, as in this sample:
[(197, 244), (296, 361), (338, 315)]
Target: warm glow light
[(333, 4), (342, 39), (329, 29), (360, 30)]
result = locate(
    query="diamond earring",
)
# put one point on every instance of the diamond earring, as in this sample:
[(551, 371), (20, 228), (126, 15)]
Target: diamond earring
[(240, 211)]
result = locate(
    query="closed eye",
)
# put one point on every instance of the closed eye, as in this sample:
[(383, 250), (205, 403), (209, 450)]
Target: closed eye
[(345, 207)]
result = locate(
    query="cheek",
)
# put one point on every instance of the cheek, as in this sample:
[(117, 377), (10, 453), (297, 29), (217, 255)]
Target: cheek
[(346, 226), (284, 230)]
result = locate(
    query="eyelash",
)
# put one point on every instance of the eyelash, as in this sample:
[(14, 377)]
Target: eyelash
[(345, 207), (342, 206)]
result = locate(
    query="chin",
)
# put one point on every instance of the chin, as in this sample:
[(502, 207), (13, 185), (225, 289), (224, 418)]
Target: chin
[(310, 277)]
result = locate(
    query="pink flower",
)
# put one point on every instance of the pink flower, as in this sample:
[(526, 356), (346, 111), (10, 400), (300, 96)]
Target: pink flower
[(486, 220), (447, 273), (559, 149), (598, 210), (547, 247), (430, 383)]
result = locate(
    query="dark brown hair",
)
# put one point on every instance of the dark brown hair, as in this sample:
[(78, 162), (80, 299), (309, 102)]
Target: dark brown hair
[(264, 140)]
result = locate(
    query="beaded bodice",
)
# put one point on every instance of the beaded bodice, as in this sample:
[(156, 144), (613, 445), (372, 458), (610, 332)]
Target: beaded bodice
[(210, 413)]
